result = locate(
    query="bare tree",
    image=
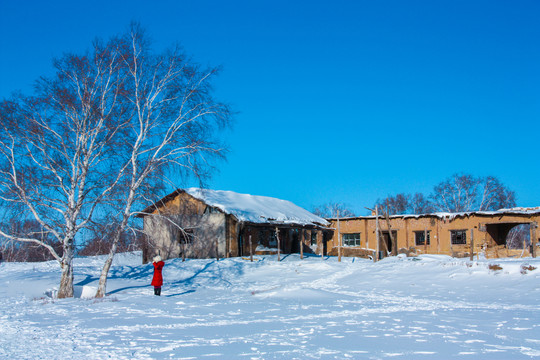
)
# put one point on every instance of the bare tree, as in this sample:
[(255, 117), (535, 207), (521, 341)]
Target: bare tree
[(330, 210), (395, 205), (456, 194), (420, 204), (494, 195), (464, 192), (101, 236), (171, 128), (52, 151), (28, 251)]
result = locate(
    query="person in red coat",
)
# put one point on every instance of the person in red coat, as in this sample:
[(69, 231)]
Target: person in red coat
[(157, 279)]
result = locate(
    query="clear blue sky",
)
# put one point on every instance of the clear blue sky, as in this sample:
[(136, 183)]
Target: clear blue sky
[(338, 100)]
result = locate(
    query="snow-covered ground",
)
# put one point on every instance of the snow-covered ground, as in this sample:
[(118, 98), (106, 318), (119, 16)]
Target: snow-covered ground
[(430, 307)]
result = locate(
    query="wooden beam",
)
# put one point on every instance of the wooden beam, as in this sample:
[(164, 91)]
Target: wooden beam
[(301, 240), (250, 249), (278, 244), (338, 237), (534, 240), (377, 235), (392, 240), (471, 255), (425, 240)]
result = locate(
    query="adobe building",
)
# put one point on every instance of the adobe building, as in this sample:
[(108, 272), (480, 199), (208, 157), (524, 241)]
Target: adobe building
[(201, 223), (454, 234)]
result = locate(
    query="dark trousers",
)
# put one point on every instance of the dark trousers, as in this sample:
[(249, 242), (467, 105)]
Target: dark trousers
[(157, 290)]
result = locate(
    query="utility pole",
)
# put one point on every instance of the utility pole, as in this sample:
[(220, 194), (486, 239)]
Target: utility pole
[(338, 237)]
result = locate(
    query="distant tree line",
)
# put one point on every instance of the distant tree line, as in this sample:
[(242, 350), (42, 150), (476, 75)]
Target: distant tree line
[(333, 209), (458, 193)]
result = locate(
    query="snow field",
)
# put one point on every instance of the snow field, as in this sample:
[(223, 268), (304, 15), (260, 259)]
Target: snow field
[(430, 307)]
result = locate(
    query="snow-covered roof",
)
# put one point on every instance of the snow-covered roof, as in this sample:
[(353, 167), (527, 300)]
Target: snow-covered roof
[(511, 211), (256, 209), (451, 216)]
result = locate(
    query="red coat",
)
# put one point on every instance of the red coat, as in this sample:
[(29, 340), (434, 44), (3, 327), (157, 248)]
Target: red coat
[(157, 280)]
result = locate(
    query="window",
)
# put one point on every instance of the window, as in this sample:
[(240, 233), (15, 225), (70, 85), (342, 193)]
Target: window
[(185, 236), (267, 237), (351, 239), (419, 238), (313, 237), (459, 237)]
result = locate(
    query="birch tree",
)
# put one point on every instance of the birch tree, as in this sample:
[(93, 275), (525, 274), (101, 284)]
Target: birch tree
[(464, 192), (173, 120), (405, 204), (52, 151), (330, 209)]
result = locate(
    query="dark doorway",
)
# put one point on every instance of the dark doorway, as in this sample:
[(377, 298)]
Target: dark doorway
[(295, 245), (240, 243), (386, 240)]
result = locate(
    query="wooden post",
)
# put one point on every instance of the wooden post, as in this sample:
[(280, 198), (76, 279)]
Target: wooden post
[(534, 240), (471, 256), (392, 240), (321, 236), (338, 237), (406, 233), (384, 242), (425, 240), (278, 244), (250, 249), (367, 234), (301, 239), (377, 236)]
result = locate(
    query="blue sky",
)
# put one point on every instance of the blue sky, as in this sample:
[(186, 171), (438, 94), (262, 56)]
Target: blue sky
[(344, 101)]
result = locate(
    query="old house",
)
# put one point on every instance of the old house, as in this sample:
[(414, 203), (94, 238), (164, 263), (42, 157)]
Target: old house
[(455, 234), (202, 223)]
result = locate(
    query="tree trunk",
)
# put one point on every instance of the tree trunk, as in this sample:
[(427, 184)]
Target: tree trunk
[(66, 281), (102, 287)]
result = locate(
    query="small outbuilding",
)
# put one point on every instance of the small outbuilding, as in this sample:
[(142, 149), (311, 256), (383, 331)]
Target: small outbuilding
[(203, 223)]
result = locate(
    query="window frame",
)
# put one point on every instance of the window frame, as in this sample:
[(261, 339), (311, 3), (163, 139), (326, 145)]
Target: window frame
[(421, 233), (351, 240), (453, 236)]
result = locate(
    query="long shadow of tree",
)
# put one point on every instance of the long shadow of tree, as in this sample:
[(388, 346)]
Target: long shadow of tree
[(144, 272), (131, 272)]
